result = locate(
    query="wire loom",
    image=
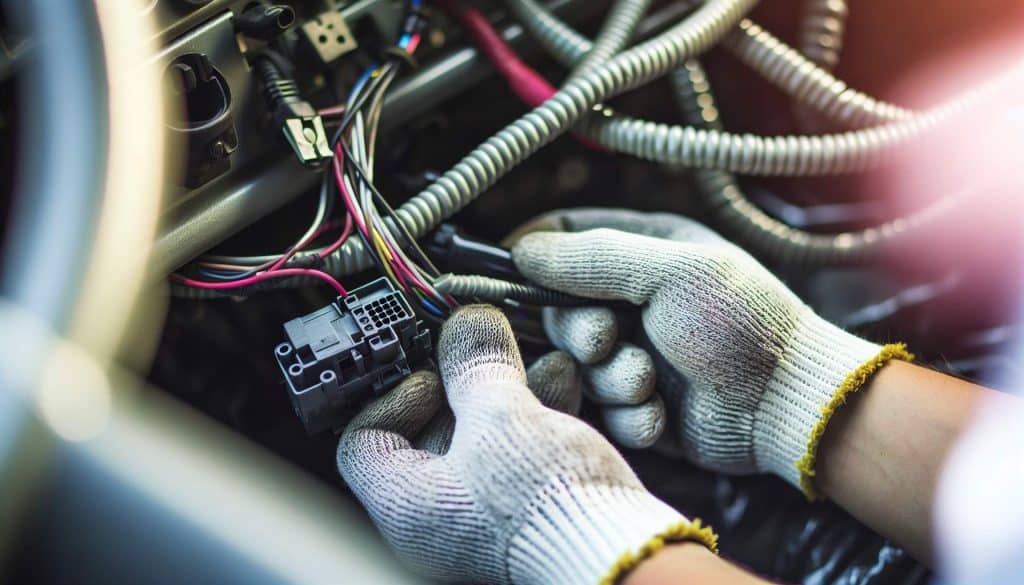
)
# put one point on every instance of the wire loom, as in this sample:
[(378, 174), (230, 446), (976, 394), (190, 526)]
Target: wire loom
[(685, 146), (494, 290), (510, 146)]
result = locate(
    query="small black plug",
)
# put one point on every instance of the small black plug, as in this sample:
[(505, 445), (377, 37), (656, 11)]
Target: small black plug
[(265, 21)]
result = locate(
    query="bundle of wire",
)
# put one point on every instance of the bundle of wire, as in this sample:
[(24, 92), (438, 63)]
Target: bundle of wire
[(350, 178), (227, 273), (394, 251)]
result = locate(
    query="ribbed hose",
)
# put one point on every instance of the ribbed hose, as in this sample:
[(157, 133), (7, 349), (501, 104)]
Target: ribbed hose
[(482, 167), (495, 290), (741, 219), (615, 33), (780, 64), (730, 208), (560, 40), (750, 154), (822, 27), (801, 79)]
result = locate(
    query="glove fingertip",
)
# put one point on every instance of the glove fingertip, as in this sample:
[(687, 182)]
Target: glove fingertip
[(625, 378), (555, 379), (586, 333), (636, 427), (475, 337)]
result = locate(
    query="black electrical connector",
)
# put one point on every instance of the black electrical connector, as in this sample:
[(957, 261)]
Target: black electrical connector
[(265, 21), (358, 347), (302, 126), (454, 251), (204, 119), (479, 270)]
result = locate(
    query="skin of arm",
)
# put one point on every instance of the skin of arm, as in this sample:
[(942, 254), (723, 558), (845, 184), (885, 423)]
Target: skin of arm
[(880, 460), (689, 562), (883, 451)]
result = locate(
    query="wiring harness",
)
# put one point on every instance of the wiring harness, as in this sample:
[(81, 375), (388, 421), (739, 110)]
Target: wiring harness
[(373, 234)]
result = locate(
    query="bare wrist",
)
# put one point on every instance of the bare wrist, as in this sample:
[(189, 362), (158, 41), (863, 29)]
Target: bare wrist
[(688, 562)]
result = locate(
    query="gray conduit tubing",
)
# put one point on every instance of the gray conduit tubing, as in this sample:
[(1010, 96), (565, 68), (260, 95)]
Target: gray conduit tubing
[(809, 84), (488, 162), (770, 238), (822, 27), (615, 34), (821, 35), (780, 64), (750, 154), (734, 212)]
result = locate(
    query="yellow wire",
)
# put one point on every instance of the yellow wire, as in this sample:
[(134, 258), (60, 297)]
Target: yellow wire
[(385, 254)]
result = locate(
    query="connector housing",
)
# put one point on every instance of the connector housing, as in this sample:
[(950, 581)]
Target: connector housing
[(330, 37), (355, 348)]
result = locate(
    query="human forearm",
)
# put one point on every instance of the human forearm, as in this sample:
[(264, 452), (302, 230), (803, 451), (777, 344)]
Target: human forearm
[(689, 562), (882, 452)]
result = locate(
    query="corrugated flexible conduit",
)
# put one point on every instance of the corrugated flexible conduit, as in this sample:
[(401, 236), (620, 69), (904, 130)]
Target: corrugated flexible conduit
[(488, 162), (740, 217)]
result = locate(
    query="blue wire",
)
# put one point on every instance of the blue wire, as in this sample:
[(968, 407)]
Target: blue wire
[(218, 274), (403, 42), (432, 308), (363, 79)]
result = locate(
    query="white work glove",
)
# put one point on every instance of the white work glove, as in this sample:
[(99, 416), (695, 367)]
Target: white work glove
[(554, 379), (750, 374), (524, 494)]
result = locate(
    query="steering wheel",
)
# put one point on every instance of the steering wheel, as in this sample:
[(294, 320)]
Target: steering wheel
[(121, 482)]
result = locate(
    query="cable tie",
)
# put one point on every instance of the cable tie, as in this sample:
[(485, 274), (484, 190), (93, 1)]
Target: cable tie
[(404, 56)]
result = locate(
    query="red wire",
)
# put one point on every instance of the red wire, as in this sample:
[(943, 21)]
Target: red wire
[(345, 233), (524, 81), (257, 278), (276, 271), (414, 41), (402, 271), (345, 195), (328, 226)]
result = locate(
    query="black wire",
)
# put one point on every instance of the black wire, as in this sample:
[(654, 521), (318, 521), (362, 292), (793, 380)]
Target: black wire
[(293, 249), (371, 99), (410, 241), (378, 262), (357, 105)]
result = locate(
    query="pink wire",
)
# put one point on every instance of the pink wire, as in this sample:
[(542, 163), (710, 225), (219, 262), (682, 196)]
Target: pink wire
[(257, 278), (402, 271), (332, 110), (345, 195), (287, 255), (345, 233), (414, 41), (524, 81), (328, 226)]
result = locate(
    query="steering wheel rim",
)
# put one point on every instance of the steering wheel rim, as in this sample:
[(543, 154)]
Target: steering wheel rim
[(81, 170)]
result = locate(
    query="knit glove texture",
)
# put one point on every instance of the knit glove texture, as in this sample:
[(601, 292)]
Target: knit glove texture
[(523, 493), (749, 374)]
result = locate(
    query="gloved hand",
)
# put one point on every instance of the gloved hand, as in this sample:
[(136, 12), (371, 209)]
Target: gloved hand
[(749, 373), (553, 378), (524, 494)]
